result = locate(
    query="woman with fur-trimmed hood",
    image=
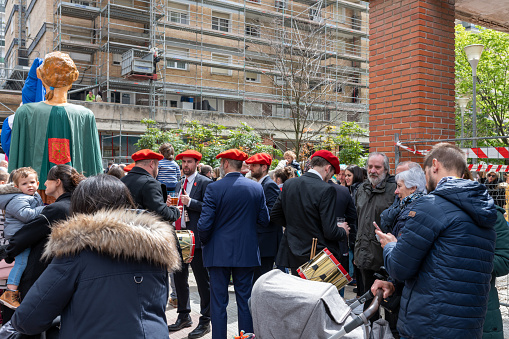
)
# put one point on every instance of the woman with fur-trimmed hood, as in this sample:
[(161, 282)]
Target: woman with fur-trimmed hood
[(108, 277)]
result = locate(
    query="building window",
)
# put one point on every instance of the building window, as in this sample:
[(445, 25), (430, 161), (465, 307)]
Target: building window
[(84, 3), (220, 21), (315, 14), (82, 57), (280, 4), (178, 13), (176, 53), (252, 77), (223, 59), (117, 59), (252, 30), (168, 103)]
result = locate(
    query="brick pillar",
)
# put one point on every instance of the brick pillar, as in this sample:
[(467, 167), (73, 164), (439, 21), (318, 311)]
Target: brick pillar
[(411, 80)]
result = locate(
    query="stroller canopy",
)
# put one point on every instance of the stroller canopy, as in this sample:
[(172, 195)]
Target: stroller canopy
[(285, 306)]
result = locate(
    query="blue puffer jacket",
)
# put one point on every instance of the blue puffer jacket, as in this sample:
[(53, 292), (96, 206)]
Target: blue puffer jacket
[(19, 208), (444, 255)]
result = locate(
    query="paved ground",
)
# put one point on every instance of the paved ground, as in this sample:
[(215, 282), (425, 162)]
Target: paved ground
[(171, 313)]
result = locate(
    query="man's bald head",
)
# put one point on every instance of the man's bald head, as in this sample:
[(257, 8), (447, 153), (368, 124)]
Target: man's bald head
[(405, 166)]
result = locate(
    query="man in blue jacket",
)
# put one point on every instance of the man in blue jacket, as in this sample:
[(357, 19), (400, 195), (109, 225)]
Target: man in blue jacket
[(268, 237), (191, 192), (232, 207), (444, 254)]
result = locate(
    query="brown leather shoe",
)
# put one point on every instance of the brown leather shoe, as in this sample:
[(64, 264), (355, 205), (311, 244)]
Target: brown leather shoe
[(10, 299), (173, 302)]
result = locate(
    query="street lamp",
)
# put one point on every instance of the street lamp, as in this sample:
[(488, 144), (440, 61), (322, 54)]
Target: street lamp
[(462, 103), (473, 53)]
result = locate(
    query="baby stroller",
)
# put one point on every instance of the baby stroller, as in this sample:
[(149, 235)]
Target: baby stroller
[(285, 306)]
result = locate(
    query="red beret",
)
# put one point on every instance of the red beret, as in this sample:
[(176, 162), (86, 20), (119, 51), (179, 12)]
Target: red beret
[(146, 154), (129, 167), (189, 153), (233, 154), (260, 158), (331, 158)]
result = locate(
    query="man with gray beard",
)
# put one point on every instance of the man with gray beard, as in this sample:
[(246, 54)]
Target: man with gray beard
[(372, 198)]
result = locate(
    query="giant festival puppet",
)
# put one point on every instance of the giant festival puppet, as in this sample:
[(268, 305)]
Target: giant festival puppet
[(53, 131)]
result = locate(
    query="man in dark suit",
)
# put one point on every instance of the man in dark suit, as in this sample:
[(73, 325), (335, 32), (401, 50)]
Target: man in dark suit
[(232, 209), (306, 207), (192, 190), (345, 209), (148, 193), (268, 237)]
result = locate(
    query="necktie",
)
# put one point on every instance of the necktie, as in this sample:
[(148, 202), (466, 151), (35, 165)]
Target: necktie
[(178, 222)]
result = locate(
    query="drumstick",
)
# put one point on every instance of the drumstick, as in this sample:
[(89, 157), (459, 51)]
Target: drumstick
[(313, 248)]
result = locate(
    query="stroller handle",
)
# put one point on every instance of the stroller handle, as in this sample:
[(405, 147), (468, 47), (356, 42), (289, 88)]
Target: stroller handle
[(363, 317), (375, 304)]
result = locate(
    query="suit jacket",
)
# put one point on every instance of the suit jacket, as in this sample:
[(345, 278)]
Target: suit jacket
[(269, 237), (232, 207), (149, 194), (306, 207), (194, 210), (345, 208)]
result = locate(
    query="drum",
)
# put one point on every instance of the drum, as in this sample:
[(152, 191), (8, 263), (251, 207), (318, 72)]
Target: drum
[(186, 241), (325, 267)]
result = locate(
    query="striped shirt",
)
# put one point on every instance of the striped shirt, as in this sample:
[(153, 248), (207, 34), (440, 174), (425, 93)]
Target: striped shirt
[(169, 172)]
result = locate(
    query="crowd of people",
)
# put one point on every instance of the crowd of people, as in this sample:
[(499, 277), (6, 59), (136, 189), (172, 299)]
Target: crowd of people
[(99, 256)]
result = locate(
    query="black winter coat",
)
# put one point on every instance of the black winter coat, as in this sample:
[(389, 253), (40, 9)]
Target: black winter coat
[(108, 278), (149, 194)]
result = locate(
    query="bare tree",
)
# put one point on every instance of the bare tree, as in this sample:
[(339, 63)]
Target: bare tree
[(304, 72)]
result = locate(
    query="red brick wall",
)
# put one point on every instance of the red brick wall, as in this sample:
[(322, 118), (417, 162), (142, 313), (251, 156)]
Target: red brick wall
[(411, 61)]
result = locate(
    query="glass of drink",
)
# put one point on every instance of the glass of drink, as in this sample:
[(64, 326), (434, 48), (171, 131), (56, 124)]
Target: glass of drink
[(174, 198), (339, 221)]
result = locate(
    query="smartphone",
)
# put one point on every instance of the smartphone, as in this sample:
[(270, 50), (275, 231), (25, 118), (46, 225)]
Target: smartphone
[(378, 228)]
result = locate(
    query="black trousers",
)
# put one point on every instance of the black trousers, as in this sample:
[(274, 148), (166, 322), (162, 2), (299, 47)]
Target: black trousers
[(182, 288), (266, 266), (368, 280)]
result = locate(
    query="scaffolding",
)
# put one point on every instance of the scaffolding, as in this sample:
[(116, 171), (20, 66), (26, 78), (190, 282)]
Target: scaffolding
[(215, 54)]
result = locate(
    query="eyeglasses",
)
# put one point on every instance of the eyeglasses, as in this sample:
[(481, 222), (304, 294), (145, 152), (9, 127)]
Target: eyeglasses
[(492, 175)]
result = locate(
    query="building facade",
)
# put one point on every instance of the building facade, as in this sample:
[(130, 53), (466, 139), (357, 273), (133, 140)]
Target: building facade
[(266, 59)]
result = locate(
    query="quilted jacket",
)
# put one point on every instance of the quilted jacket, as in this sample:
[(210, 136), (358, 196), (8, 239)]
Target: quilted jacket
[(445, 257)]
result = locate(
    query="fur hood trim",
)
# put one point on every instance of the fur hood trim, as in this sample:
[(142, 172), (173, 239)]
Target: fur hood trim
[(9, 189), (116, 233)]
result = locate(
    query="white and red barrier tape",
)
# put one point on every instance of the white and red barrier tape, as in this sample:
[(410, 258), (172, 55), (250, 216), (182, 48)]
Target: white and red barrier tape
[(487, 153), (476, 153), (472, 153), (488, 168), (400, 145)]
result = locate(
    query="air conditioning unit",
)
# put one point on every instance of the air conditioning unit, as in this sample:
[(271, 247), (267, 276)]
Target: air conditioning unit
[(280, 4)]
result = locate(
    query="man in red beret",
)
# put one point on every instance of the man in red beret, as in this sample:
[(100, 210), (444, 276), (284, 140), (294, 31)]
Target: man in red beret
[(147, 192), (232, 208), (191, 192), (268, 237), (306, 207)]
